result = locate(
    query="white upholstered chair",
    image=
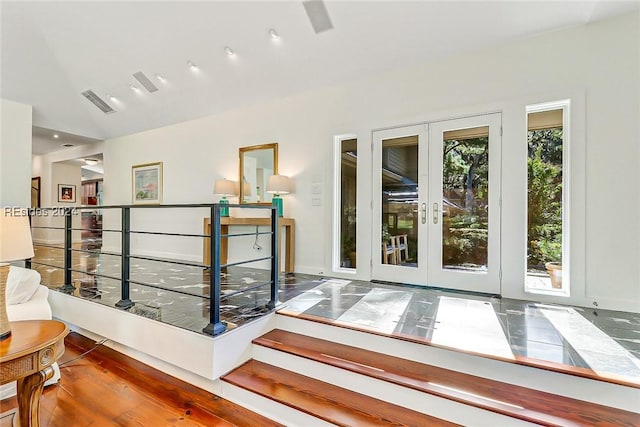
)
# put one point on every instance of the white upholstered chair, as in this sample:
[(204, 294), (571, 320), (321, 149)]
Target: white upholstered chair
[(26, 300)]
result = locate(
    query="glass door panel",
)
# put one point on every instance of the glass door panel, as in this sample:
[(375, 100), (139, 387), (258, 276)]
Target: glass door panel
[(464, 200), (398, 241)]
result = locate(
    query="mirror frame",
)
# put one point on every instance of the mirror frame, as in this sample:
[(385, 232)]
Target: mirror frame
[(242, 151)]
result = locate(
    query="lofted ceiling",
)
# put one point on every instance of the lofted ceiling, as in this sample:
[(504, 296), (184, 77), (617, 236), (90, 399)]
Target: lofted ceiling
[(53, 51)]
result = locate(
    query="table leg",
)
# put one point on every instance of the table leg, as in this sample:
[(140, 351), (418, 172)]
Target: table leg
[(29, 392), (224, 244), (206, 242), (290, 238)]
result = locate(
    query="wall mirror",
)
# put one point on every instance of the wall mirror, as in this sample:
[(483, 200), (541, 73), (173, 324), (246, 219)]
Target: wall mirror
[(257, 164)]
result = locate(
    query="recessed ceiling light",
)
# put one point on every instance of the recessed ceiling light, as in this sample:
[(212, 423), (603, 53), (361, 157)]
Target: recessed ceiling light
[(112, 98), (134, 88), (91, 162), (56, 136), (161, 78), (67, 145), (274, 34), (192, 66), (229, 51)]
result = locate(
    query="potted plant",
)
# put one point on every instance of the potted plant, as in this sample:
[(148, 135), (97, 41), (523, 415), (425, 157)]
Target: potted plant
[(554, 269), (349, 239), (349, 251)]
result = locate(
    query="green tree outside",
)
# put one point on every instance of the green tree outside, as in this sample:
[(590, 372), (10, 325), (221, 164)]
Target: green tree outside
[(465, 190), (544, 197)]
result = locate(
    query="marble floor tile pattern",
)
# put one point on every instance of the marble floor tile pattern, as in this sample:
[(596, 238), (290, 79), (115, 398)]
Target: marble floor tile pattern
[(168, 292), (607, 342), (603, 341), (470, 325)]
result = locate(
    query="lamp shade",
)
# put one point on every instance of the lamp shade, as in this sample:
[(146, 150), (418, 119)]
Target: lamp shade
[(15, 244), (278, 184), (15, 237), (225, 187)]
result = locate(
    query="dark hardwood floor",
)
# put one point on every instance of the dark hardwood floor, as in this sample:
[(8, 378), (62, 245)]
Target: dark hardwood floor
[(107, 388)]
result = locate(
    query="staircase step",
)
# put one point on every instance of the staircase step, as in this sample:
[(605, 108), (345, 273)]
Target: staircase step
[(324, 401), (511, 400)]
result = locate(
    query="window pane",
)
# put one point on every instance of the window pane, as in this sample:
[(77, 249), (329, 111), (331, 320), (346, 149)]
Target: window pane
[(348, 186), (544, 200), (465, 199), (399, 232)]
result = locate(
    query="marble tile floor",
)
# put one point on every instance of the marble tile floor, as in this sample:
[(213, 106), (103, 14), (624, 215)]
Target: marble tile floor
[(605, 343), (171, 293)]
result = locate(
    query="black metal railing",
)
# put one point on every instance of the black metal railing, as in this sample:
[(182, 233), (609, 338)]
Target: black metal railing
[(215, 326)]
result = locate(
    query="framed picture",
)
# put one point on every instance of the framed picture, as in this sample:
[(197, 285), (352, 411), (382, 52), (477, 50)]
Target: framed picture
[(146, 181), (35, 192), (66, 193)]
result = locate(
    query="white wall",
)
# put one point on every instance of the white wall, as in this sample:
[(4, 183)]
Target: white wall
[(62, 173), (52, 172), (597, 64), (41, 166), (15, 154)]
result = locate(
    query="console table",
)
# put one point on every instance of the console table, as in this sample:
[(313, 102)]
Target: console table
[(26, 356), (289, 240)]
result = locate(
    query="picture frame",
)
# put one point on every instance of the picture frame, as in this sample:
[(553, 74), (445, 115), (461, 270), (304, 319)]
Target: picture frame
[(146, 184), (66, 193)]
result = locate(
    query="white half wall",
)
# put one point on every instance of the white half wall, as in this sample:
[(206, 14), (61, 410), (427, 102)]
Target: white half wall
[(190, 356), (598, 62)]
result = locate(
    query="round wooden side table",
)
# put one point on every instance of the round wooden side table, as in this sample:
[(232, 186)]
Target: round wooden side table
[(26, 356)]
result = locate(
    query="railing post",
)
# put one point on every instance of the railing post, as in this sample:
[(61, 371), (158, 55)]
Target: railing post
[(215, 326), (68, 286), (125, 262), (275, 258)]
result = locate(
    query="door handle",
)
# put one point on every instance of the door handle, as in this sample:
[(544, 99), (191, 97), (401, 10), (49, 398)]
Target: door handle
[(424, 213), (435, 213)]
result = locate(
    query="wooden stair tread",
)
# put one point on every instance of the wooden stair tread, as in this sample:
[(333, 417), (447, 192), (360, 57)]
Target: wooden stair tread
[(508, 399), (325, 401)]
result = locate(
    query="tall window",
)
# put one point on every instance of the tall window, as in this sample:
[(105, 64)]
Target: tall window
[(547, 191), (346, 189)]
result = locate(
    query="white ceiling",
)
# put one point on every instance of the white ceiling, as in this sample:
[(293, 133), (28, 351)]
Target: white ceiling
[(53, 51), (48, 140)]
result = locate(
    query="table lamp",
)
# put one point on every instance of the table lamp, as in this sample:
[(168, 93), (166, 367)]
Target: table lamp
[(224, 188), (277, 185), (15, 244)]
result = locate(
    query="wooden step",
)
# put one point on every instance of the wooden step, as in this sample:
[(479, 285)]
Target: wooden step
[(499, 397), (325, 401)]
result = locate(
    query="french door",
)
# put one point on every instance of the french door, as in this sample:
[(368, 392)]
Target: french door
[(437, 204)]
